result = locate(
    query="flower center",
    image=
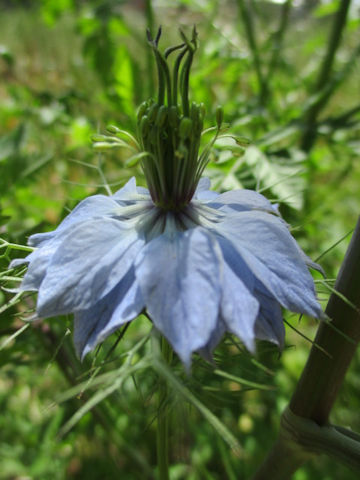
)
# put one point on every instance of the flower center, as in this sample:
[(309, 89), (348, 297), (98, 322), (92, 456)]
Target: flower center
[(170, 130)]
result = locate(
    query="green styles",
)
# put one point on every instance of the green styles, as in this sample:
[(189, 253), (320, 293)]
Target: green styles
[(170, 128)]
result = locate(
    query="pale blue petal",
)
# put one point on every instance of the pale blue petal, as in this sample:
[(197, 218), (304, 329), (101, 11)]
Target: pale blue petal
[(90, 261), (311, 264), (39, 239), (236, 263), (130, 192), (266, 246), (142, 191), (242, 200), (206, 196), (202, 191), (269, 324), (19, 261), (39, 259), (38, 263), (122, 304), (128, 189), (179, 277), (239, 308), (96, 206), (216, 335), (203, 185)]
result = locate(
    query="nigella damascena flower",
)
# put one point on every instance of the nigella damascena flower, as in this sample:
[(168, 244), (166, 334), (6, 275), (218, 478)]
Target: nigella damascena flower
[(199, 263)]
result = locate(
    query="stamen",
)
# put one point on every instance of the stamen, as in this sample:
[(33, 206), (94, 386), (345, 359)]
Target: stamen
[(171, 134)]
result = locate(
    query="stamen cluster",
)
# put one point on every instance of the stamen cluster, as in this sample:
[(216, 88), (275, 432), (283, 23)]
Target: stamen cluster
[(170, 131)]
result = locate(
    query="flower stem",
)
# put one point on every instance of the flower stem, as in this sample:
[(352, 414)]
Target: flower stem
[(247, 20), (162, 437), (325, 74), (150, 21), (276, 53)]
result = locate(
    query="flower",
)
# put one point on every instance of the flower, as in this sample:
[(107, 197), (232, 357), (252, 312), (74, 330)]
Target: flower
[(199, 263), (227, 262)]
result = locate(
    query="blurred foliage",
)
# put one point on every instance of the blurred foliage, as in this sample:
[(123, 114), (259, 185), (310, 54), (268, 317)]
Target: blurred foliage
[(71, 68)]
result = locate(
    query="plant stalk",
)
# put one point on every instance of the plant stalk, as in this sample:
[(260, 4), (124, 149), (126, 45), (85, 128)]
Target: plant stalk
[(250, 33), (150, 23), (324, 76), (276, 53), (322, 376)]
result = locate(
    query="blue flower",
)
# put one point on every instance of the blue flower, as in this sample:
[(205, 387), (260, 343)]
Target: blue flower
[(199, 263), (224, 263)]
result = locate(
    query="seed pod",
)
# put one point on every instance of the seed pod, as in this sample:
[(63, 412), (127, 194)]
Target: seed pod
[(144, 126), (173, 116), (194, 112), (113, 129), (142, 110), (219, 116), (185, 128), (102, 146), (202, 110), (153, 112), (98, 138), (161, 116)]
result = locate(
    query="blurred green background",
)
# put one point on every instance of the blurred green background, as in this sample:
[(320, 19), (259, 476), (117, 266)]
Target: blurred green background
[(287, 74)]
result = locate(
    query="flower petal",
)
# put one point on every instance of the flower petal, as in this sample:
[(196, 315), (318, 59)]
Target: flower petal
[(128, 188), (203, 191), (122, 304), (179, 277), (266, 246), (39, 239), (269, 324), (130, 192), (239, 308), (38, 260), (96, 206), (215, 338), (38, 263), (87, 265), (242, 200), (203, 185)]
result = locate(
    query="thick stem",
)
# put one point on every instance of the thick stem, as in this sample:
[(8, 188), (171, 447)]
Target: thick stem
[(323, 374), (283, 460)]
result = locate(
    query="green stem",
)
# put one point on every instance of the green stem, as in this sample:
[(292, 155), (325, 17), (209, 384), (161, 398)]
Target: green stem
[(283, 460), (277, 42), (309, 136), (149, 14), (249, 29), (162, 438), (323, 375)]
